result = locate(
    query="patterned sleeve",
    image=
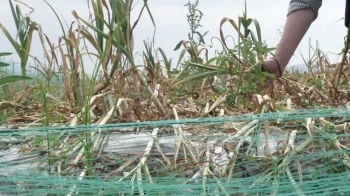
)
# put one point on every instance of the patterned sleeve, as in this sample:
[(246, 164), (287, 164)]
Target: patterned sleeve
[(295, 5)]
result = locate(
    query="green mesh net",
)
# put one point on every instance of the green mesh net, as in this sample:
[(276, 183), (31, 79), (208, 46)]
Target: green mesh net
[(302, 152)]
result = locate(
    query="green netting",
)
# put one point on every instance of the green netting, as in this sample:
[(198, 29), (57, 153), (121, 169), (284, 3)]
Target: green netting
[(286, 153)]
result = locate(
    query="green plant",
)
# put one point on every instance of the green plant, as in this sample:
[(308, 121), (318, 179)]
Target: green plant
[(339, 71), (10, 79), (194, 18), (192, 48), (232, 64), (25, 28), (196, 39), (4, 81), (117, 40), (110, 32)]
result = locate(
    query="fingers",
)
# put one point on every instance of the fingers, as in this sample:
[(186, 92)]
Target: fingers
[(270, 66)]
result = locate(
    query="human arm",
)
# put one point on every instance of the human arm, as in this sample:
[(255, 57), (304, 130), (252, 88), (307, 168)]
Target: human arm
[(301, 14)]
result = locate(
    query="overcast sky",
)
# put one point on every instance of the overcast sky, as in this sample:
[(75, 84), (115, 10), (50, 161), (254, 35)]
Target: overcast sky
[(171, 23)]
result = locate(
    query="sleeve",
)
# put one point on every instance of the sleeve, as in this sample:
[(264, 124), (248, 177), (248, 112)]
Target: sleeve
[(295, 5)]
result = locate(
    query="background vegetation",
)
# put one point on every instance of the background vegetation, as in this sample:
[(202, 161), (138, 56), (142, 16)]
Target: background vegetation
[(119, 90)]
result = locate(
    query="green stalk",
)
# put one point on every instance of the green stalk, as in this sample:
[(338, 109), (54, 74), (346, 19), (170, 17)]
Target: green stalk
[(240, 78), (345, 51), (68, 52)]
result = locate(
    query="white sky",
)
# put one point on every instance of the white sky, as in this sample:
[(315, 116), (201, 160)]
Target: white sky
[(171, 22)]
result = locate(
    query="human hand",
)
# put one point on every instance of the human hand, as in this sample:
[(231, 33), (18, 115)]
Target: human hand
[(270, 66)]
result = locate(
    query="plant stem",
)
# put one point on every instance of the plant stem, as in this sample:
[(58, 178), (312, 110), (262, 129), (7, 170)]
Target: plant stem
[(345, 50)]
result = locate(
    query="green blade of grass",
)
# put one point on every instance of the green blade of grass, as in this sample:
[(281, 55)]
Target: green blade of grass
[(5, 54), (198, 77), (2, 64), (97, 6), (11, 79), (207, 67), (167, 62), (26, 45), (148, 55), (105, 36), (15, 45), (258, 29), (14, 14)]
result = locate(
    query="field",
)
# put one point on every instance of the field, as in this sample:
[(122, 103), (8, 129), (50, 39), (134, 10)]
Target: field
[(196, 125)]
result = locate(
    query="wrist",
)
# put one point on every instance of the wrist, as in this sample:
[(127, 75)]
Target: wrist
[(282, 62), (279, 67)]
